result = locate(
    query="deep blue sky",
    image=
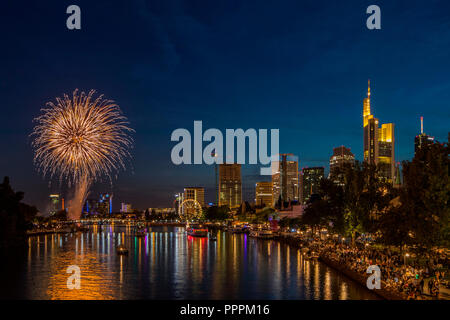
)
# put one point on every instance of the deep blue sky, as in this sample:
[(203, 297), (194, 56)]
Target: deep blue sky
[(300, 66)]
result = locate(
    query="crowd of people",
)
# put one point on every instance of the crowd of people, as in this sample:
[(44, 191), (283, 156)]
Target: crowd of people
[(413, 280)]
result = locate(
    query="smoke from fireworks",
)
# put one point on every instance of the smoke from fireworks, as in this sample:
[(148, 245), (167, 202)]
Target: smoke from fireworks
[(80, 139)]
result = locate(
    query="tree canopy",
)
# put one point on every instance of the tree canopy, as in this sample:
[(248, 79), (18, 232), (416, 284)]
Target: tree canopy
[(15, 216)]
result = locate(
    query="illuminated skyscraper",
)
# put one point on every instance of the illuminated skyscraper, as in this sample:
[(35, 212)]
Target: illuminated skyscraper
[(379, 142), (285, 178), (422, 139), (104, 205), (311, 181), (341, 156), (230, 185), (263, 194), (195, 193), (90, 206), (54, 204), (126, 208)]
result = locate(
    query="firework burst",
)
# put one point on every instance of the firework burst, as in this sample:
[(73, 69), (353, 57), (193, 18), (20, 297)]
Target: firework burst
[(81, 139)]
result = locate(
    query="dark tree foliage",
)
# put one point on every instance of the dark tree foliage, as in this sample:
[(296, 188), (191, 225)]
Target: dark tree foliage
[(290, 223), (153, 215), (316, 214), (394, 228), (263, 215), (15, 216), (61, 215), (351, 205), (366, 195), (245, 208), (217, 213), (421, 217)]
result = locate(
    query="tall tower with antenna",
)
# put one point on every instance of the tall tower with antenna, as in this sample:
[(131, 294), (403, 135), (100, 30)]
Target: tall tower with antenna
[(379, 141), (422, 139)]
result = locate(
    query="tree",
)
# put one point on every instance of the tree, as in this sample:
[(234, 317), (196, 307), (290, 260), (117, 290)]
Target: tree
[(15, 216), (61, 215), (217, 213), (351, 204), (263, 215), (424, 199), (332, 206), (365, 196), (245, 208), (290, 223), (315, 214), (394, 228)]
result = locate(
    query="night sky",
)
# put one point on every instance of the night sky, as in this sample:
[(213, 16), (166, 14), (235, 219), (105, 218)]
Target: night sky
[(300, 66)]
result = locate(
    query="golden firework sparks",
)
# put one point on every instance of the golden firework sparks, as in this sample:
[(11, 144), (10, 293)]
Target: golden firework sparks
[(81, 138)]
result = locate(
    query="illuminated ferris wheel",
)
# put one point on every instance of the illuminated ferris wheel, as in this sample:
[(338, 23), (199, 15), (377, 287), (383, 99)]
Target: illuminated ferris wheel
[(190, 209)]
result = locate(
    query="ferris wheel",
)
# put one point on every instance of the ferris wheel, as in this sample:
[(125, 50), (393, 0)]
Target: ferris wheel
[(190, 209)]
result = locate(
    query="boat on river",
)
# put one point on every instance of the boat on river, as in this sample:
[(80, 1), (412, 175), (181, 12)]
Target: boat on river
[(261, 234), (239, 229), (265, 234), (197, 230)]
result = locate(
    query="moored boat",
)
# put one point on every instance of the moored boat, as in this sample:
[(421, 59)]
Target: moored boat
[(238, 229), (196, 230), (261, 234), (265, 234)]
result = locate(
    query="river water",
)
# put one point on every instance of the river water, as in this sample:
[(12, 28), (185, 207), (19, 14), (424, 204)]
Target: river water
[(168, 264)]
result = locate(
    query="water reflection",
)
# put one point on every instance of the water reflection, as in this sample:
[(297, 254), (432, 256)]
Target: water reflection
[(168, 264)]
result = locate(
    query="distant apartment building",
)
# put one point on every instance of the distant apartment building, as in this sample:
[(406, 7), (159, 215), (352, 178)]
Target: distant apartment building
[(102, 205), (341, 157), (311, 178), (126, 208), (55, 204), (263, 194), (285, 184), (230, 185)]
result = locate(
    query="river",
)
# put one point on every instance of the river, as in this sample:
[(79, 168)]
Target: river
[(168, 264)]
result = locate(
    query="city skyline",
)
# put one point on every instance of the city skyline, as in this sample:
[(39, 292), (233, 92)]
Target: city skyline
[(325, 168), (217, 75)]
